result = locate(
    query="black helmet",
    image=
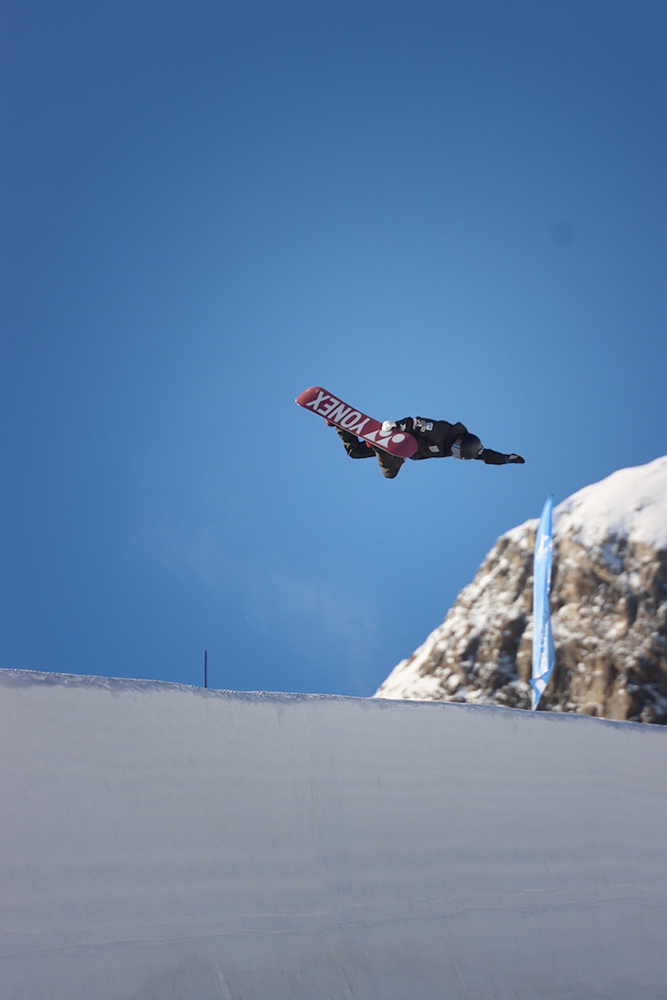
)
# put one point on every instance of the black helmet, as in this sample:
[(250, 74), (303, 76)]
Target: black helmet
[(467, 446)]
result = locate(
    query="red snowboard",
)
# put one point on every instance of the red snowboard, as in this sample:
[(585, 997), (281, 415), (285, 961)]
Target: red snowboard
[(336, 412)]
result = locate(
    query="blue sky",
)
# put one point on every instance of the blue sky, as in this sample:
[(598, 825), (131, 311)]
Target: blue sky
[(455, 210)]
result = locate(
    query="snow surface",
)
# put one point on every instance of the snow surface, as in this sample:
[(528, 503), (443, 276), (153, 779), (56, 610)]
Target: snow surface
[(159, 842), (630, 504)]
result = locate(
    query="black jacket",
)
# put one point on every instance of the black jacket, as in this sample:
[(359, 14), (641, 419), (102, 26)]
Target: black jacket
[(436, 437)]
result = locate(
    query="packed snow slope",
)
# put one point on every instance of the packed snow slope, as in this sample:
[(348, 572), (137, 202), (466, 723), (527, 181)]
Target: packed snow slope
[(160, 842), (608, 604)]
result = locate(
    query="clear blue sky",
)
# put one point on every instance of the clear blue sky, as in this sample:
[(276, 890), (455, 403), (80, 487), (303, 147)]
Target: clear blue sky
[(456, 210)]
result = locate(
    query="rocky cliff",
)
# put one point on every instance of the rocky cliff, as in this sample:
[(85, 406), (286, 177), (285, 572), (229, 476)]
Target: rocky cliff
[(608, 603)]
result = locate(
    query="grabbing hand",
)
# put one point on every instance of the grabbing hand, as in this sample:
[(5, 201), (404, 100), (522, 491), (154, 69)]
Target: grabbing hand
[(515, 459)]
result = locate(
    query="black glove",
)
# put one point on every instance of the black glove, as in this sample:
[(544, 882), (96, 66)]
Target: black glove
[(515, 459)]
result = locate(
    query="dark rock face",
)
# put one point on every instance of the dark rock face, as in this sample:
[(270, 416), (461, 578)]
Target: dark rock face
[(609, 615)]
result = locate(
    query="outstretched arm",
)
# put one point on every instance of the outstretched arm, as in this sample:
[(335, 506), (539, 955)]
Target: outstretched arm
[(490, 457)]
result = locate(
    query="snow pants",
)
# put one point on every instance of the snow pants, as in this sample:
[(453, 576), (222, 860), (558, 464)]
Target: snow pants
[(389, 464)]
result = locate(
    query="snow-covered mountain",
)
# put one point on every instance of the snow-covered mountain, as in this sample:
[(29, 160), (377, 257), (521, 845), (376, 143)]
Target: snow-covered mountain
[(609, 611)]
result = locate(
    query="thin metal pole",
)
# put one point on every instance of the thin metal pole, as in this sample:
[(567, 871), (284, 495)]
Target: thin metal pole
[(205, 669)]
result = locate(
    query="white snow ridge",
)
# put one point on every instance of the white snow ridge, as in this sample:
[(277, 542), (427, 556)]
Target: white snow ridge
[(159, 842), (629, 504), (608, 603)]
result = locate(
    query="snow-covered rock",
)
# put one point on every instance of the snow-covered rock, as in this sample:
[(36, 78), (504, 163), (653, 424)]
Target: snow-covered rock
[(608, 602)]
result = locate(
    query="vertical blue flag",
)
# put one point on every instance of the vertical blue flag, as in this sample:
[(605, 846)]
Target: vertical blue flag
[(543, 645)]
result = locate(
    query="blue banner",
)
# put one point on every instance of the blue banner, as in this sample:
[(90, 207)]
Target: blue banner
[(543, 645)]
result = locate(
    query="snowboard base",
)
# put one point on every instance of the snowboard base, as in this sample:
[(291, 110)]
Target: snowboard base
[(336, 412)]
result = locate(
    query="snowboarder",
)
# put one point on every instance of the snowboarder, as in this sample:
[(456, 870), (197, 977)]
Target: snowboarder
[(436, 439)]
